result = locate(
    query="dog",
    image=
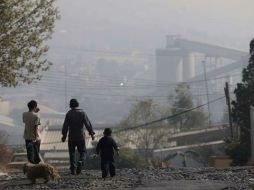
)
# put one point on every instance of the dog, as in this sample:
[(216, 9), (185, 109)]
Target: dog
[(41, 170)]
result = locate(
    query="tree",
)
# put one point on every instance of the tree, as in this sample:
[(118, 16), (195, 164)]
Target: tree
[(193, 119), (244, 98), (149, 137), (24, 27)]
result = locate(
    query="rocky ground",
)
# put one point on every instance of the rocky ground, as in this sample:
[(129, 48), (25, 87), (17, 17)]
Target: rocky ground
[(171, 178)]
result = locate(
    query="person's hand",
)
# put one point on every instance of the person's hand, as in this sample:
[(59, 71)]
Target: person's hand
[(63, 139), (37, 110), (94, 156), (92, 137)]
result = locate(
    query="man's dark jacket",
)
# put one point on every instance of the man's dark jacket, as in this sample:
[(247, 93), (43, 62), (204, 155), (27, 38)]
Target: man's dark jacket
[(74, 122)]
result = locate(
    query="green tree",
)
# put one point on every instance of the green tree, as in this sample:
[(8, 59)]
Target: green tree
[(193, 119), (24, 27), (149, 137), (244, 98)]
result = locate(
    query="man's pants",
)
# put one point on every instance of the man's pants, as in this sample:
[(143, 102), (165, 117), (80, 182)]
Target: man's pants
[(33, 151), (81, 150), (108, 165)]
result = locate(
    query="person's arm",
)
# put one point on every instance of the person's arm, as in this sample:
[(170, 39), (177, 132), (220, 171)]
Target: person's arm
[(65, 128), (37, 122), (115, 146), (88, 125), (98, 147)]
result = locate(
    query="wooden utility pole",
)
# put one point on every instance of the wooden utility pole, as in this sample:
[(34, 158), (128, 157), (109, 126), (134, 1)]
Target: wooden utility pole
[(227, 94), (207, 94)]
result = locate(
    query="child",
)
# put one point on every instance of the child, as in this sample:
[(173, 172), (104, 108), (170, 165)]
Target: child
[(106, 147), (31, 132)]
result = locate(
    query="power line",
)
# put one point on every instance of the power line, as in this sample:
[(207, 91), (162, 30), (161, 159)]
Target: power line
[(61, 89), (118, 53), (143, 80), (154, 82), (168, 117), (74, 85)]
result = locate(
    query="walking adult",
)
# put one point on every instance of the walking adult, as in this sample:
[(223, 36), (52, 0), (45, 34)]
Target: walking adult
[(74, 122)]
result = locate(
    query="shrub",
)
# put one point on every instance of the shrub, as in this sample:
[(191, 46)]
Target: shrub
[(129, 158), (238, 152), (5, 155)]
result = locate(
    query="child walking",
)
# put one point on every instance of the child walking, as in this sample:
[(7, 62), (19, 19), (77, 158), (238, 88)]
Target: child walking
[(106, 148)]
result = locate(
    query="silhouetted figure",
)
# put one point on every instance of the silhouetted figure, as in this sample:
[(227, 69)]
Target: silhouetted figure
[(105, 148), (31, 134), (74, 122)]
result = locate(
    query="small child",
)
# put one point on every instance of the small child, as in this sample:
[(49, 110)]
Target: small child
[(105, 148)]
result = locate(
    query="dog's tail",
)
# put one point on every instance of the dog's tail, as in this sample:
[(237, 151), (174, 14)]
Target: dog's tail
[(53, 173)]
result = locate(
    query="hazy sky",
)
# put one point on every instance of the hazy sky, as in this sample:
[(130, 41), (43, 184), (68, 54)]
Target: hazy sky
[(143, 24)]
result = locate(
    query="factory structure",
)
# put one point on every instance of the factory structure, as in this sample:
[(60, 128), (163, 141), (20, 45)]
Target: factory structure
[(181, 60), (204, 67)]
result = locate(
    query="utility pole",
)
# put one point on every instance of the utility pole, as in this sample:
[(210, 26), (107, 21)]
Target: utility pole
[(207, 94), (226, 89)]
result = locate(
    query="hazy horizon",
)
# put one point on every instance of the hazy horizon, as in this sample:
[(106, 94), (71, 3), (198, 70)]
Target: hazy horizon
[(143, 24)]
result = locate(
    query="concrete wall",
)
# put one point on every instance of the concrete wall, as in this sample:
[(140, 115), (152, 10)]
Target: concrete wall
[(202, 137), (4, 107), (169, 65), (188, 66)]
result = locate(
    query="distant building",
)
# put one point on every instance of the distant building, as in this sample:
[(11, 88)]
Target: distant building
[(183, 60), (174, 63)]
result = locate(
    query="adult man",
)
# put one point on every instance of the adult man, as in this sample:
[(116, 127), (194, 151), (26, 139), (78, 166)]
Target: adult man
[(74, 122), (31, 134)]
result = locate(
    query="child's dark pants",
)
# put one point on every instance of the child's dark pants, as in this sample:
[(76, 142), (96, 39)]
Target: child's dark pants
[(108, 165)]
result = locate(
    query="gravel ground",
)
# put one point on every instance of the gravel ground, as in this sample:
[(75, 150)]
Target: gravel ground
[(170, 178)]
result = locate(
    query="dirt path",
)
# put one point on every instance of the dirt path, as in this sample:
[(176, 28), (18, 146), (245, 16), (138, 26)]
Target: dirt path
[(188, 185), (160, 179)]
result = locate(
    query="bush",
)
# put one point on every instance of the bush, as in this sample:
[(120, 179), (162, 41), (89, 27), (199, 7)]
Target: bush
[(5, 153), (238, 152), (129, 158)]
